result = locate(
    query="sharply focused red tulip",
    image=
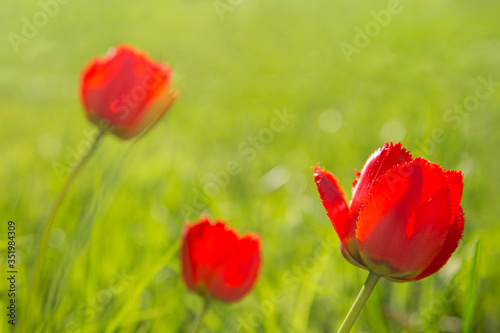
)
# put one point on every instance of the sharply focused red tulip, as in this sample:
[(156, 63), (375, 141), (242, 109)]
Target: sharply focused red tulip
[(216, 262), (404, 220), (126, 90)]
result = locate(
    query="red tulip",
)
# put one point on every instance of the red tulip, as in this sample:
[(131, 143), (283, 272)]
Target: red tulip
[(218, 263), (126, 90), (404, 220)]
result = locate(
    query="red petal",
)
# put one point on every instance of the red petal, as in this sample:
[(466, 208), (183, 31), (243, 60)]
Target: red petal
[(454, 179), (404, 219), (449, 246), (237, 270), (377, 164), (106, 88), (203, 245), (355, 181), (333, 199), (186, 265)]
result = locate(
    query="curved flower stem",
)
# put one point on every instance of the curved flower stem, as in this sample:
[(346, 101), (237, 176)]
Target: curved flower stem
[(199, 317), (47, 227), (359, 303)]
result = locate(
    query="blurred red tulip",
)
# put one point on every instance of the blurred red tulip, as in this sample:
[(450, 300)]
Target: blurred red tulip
[(404, 220), (126, 91), (216, 262)]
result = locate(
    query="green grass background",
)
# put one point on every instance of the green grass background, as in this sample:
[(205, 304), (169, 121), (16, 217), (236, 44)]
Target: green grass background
[(113, 263)]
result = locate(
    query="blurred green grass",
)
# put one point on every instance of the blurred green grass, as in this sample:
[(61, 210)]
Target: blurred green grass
[(124, 212)]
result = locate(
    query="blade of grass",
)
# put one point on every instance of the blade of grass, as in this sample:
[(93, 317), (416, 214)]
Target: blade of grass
[(471, 297), (306, 297), (141, 285)]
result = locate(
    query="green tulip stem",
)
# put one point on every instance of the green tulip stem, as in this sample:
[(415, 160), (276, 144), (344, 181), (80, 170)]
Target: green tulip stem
[(49, 222), (201, 314), (359, 303)]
